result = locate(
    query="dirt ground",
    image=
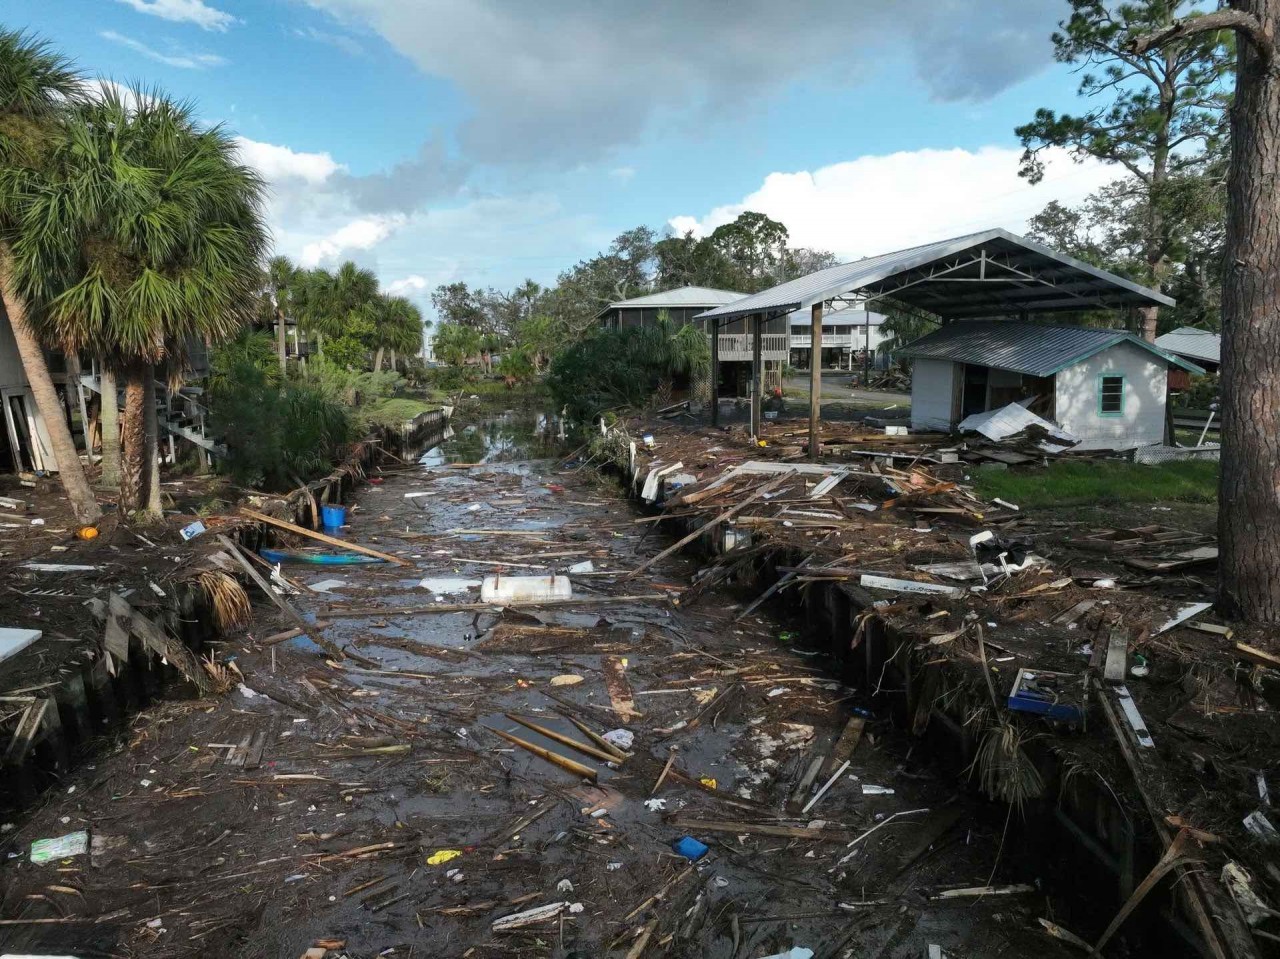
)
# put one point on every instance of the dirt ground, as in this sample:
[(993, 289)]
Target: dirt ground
[(370, 807)]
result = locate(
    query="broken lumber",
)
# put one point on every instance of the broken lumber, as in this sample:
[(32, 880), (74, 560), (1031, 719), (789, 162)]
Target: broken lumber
[(563, 740), (322, 537), (314, 635), (711, 524)]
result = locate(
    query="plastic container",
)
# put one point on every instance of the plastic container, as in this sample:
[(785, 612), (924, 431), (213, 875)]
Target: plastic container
[(690, 848), (524, 589), (333, 516)]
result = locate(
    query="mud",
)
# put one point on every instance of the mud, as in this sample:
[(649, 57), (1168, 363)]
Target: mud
[(308, 804)]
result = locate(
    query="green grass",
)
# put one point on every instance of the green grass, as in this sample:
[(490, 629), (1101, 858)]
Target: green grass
[(1101, 484), (393, 411)]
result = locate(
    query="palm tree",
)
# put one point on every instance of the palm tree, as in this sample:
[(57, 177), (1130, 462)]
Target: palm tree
[(36, 86), (284, 285), (151, 235), (397, 327), (333, 302)]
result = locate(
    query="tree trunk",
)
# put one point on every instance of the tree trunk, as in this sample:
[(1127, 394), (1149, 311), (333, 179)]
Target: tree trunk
[(1249, 491), (1148, 317), (110, 419), (393, 361), (133, 436), (281, 349), (377, 359), (70, 470), (154, 509)]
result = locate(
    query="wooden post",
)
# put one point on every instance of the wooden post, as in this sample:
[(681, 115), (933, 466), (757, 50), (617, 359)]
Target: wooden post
[(815, 380), (866, 347), (715, 371), (757, 371)]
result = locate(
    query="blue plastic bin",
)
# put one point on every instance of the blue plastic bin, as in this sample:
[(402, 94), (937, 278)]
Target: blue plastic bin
[(333, 516)]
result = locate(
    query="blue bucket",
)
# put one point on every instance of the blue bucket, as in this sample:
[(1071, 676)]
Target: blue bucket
[(333, 516)]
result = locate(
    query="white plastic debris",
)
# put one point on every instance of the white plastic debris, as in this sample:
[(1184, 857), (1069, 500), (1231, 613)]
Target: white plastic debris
[(447, 585), (564, 885), (586, 566), (870, 790), (525, 589), (655, 805), (622, 738)]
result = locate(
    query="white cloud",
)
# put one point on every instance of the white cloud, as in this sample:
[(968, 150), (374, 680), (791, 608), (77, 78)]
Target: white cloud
[(623, 174), (347, 44), (875, 204), (408, 286), (277, 163), (180, 59), (185, 11), (578, 77), (362, 234)]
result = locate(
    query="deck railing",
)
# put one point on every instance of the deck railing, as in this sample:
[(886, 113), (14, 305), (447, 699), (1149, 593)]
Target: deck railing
[(737, 346)]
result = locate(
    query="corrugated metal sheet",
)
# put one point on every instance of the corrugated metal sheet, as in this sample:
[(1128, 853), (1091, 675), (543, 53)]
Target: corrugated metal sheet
[(1026, 348), (684, 296), (1078, 282), (1193, 343)]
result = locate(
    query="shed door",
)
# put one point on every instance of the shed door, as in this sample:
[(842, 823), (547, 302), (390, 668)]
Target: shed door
[(974, 398)]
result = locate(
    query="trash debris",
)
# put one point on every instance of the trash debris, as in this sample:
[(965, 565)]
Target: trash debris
[(1258, 824), (690, 848), (525, 589), (193, 530), (1014, 420), (870, 790), (441, 856), (622, 738), (795, 952), (566, 679), (61, 847), (13, 640)]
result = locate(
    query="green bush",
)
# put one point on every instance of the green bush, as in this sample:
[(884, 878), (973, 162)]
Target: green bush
[(274, 429), (624, 369)]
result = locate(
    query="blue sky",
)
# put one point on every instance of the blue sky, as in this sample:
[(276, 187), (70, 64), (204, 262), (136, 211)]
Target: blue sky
[(490, 140)]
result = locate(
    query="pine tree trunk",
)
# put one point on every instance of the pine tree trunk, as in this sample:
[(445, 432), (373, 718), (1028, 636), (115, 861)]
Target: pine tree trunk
[(1149, 316), (133, 437), (110, 419), (154, 509), (70, 469), (281, 349), (1249, 491), (377, 360)]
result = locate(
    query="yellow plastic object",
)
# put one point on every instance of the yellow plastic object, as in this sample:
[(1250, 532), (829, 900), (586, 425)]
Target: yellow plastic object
[(441, 856), (708, 782), (88, 532)]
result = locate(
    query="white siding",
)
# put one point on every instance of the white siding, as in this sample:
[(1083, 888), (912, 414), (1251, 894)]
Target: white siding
[(1145, 381), (11, 373), (931, 386)]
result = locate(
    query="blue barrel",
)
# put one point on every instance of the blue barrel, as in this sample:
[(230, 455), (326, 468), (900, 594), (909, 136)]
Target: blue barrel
[(333, 516)]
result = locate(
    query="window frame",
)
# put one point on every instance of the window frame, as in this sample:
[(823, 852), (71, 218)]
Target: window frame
[(1124, 393)]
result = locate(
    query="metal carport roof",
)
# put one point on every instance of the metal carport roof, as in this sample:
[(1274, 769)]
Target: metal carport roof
[(986, 274)]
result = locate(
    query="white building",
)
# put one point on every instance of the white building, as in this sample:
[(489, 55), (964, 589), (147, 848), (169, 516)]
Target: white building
[(1108, 388), (847, 331)]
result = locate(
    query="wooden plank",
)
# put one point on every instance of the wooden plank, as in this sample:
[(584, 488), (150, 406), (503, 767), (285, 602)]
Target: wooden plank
[(313, 634), (615, 680), (845, 745), (1258, 656), (322, 537)]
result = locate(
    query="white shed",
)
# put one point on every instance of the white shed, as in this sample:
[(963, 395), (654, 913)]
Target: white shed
[(1106, 387)]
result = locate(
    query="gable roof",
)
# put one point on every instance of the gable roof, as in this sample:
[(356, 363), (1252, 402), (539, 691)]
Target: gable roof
[(1189, 341), (1013, 274), (1027, 348), (683, 297)]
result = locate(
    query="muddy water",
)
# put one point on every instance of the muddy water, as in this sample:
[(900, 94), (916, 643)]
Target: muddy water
[(444, 682)]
